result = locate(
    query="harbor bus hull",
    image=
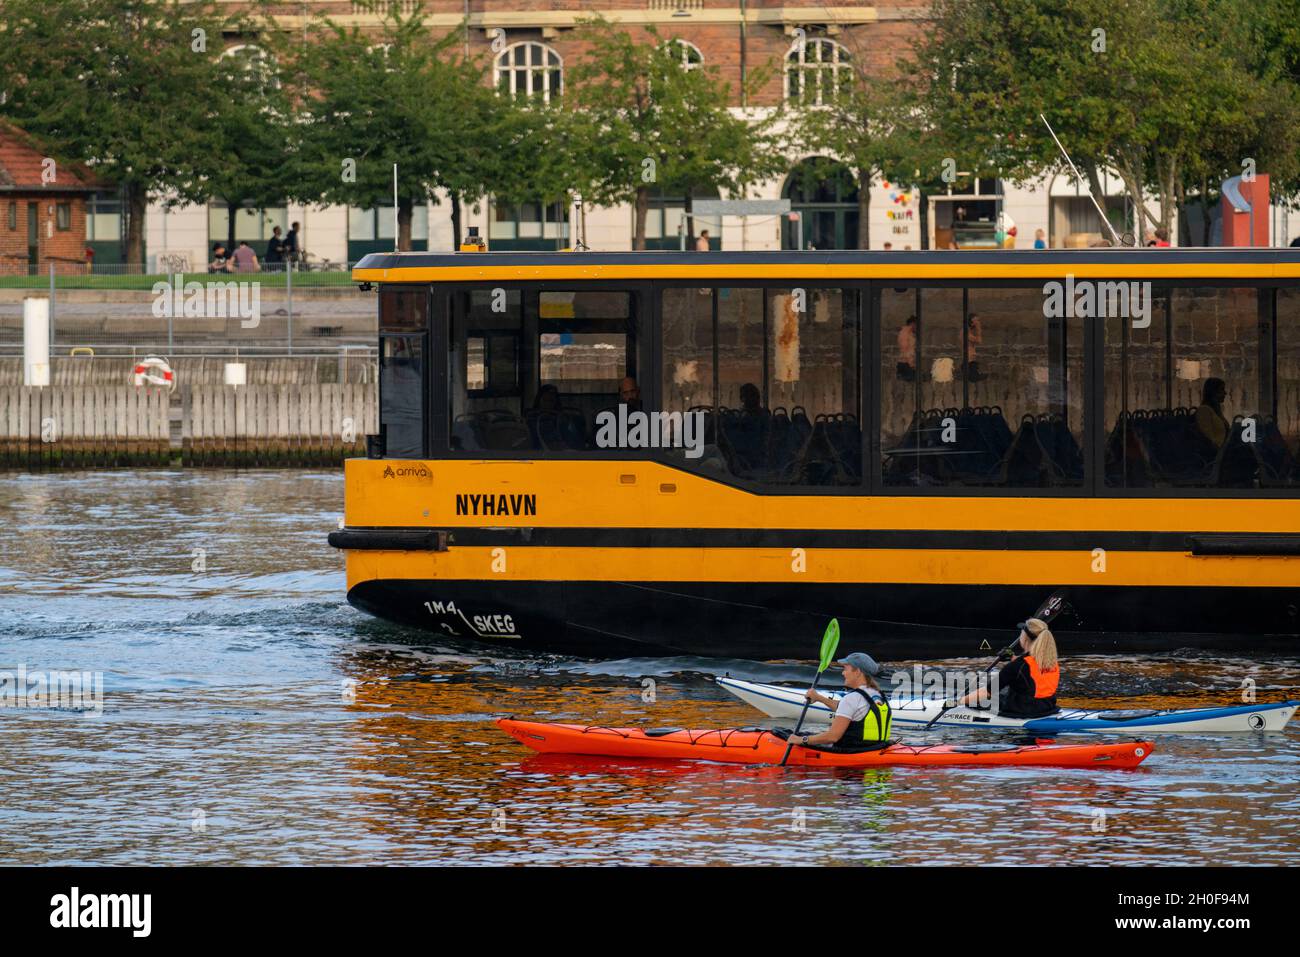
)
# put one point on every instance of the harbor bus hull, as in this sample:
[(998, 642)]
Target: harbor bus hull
[(906, 577)]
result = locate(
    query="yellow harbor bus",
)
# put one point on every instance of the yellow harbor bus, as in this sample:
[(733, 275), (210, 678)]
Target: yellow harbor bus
[(712, 453)]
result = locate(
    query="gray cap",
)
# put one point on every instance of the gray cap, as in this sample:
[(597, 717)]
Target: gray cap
[(863, 662)]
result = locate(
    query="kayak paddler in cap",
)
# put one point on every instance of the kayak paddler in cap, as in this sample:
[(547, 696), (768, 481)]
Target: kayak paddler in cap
[(862, 718), (1027, 685)]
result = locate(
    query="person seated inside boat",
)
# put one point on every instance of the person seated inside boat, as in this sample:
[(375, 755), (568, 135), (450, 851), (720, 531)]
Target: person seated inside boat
[(1027, 685), (1210, 420), (548, 399), (629, 393), (862, 718)]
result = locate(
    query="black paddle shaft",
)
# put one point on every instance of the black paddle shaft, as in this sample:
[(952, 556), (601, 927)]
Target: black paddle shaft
[(789, 745), (1048, 610)]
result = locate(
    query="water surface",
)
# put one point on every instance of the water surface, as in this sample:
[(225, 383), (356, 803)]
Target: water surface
[(252, 717)]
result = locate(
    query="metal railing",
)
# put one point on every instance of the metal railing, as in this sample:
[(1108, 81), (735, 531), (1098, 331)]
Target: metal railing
[(68, 274), (123, 310), (347, 364)]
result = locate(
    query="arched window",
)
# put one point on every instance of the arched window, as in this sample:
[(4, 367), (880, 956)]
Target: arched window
[(824, 198), (383, 53), (255, 61), (529, 69), (815, 70), (688, 53)]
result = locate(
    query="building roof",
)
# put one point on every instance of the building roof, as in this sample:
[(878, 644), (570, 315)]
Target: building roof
[(22, 163)]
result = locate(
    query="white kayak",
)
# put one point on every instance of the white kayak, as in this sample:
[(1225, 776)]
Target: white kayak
[(782, 701)]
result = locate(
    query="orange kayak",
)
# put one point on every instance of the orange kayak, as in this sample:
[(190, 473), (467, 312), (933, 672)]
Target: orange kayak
[(748, 746)]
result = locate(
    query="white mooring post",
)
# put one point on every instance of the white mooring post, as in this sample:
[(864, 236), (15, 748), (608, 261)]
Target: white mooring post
[(288, 288), (36, 341), (52, 306)]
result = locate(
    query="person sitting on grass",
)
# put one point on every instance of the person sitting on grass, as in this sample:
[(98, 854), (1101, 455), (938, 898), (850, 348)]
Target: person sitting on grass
[(245, 259), (220, 259)]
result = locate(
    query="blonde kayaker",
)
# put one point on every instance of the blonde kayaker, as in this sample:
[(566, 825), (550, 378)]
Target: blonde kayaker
[(1027, 685)]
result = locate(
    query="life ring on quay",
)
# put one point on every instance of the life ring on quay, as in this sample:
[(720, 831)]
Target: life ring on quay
[(153, 370)]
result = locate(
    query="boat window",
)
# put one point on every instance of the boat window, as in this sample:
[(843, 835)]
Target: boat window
[(401, 395), (774, 396), (403, 323), (981, 387), (1280, 450), (403, 310), (532, 369), (1183, 403)]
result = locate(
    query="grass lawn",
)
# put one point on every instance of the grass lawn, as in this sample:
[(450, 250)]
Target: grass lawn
[(269, 280)]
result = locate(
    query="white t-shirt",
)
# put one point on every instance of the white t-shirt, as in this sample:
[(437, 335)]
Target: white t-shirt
[(853, 705)]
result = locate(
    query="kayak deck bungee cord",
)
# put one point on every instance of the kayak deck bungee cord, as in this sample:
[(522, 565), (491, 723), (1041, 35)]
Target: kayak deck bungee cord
[(762, 746), (783, 701)]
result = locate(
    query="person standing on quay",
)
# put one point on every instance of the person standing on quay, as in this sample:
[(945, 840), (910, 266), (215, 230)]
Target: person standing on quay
[(275, 248)]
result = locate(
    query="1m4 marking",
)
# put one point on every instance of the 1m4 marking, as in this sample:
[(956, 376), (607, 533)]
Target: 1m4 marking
[(483, 626)]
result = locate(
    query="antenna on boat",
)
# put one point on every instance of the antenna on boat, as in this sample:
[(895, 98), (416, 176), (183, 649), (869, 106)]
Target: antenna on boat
[(396, 231), (1113, 235)]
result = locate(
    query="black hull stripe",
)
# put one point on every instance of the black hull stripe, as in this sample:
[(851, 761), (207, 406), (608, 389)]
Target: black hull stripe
[(418, 539), (895, 622)]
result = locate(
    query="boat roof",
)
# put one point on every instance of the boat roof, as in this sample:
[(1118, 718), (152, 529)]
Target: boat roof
[(1117, 263)]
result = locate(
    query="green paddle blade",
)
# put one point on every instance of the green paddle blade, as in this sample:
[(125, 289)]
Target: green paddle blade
[(830, 641)]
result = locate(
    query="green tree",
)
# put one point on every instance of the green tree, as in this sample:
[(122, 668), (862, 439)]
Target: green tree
[(872, 124), (396, 97), (910, 151), (1147, 88), (248, 155), (646, 123), (1265, 136), (121, 85), (535, 152)]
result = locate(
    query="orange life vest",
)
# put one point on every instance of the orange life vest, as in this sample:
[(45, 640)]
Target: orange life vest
[(1045, 682)]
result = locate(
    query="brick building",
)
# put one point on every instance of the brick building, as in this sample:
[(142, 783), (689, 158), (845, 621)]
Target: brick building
[(42, 207), (535, 43)]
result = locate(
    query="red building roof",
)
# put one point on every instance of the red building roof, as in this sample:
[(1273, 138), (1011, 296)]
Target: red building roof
[(22, 164)]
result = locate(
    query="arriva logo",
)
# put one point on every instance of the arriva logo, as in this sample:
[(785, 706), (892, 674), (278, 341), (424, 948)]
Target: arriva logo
[(651, 430), (413, 471), (1098, 300)]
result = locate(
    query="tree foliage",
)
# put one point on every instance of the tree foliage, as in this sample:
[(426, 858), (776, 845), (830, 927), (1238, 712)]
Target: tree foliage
[(1170, 94), (396, 97), (646, 122), (125, 86)]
